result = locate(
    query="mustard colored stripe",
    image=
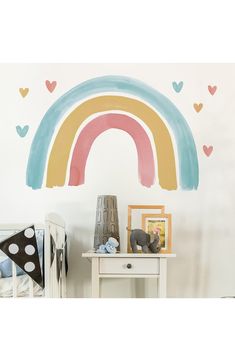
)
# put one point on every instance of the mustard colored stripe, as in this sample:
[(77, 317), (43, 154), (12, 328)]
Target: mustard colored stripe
[(58, 160)]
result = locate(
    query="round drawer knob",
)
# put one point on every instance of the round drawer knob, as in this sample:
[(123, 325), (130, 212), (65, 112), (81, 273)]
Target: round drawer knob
[(129, 265)]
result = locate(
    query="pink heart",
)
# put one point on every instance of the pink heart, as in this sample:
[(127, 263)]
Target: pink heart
[(212, 89), (207, 150), (51, 85)]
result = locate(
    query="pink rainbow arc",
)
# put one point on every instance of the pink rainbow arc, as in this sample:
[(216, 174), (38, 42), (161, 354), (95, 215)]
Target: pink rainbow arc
[(99, 125)]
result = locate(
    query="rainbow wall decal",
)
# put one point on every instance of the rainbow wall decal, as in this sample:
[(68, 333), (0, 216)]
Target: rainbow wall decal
[(113, 102)]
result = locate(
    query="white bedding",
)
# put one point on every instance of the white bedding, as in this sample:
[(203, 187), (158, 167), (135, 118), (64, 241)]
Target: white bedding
[(22, 287)]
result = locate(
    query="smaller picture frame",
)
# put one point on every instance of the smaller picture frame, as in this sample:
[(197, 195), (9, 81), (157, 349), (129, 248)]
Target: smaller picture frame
[(161, 221), (133, 224)]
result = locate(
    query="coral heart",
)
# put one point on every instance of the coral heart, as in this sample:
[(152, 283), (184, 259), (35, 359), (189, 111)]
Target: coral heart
[(24, 91), (177, 86), (207, 150), (198, 107), (22, 131), (51, 85), (212, 89)]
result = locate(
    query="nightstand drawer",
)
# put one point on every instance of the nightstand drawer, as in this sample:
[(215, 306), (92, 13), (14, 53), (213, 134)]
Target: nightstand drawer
[(145, 266)]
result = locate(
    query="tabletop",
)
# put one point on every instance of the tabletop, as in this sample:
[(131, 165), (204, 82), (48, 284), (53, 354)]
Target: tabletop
[(92, 254)]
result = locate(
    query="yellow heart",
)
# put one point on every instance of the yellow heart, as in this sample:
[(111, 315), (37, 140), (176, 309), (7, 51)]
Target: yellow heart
[(24, 91), (198, 107)]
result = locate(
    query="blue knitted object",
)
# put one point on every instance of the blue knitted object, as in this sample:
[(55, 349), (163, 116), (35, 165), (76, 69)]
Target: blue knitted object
[(109, 247), (101, 249)]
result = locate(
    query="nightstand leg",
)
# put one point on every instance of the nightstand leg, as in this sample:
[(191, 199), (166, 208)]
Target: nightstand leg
[(95, 282), (162, 281)]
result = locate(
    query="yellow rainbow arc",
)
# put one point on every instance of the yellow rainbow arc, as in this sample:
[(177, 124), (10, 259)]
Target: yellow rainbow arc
[(59, 156)]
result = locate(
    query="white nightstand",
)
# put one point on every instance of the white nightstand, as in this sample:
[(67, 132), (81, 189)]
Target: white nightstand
[(128, 265)]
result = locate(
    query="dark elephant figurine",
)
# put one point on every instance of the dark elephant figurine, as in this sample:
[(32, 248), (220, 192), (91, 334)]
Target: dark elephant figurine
[(149, 243)]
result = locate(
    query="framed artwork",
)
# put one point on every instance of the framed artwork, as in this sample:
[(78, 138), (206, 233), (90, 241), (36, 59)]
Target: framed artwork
[(135, 213), (162, 223)]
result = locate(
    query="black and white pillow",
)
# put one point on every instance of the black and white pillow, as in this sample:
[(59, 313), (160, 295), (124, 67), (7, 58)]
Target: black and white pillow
[(22, 249)]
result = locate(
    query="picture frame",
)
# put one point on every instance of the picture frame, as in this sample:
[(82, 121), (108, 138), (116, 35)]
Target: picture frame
[(160, 209), (163, 222)]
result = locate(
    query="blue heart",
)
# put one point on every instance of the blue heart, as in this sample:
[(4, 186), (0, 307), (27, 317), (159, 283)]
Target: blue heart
[(22, 131), (177, 86)]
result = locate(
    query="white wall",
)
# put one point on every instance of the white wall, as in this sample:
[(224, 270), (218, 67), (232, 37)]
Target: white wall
[(203, 236)]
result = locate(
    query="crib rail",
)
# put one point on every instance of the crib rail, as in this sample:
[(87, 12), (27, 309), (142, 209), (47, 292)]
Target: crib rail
[(55, 285), (14, 280)]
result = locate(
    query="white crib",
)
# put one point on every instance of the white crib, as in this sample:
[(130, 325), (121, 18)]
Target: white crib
[(53, 262)]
